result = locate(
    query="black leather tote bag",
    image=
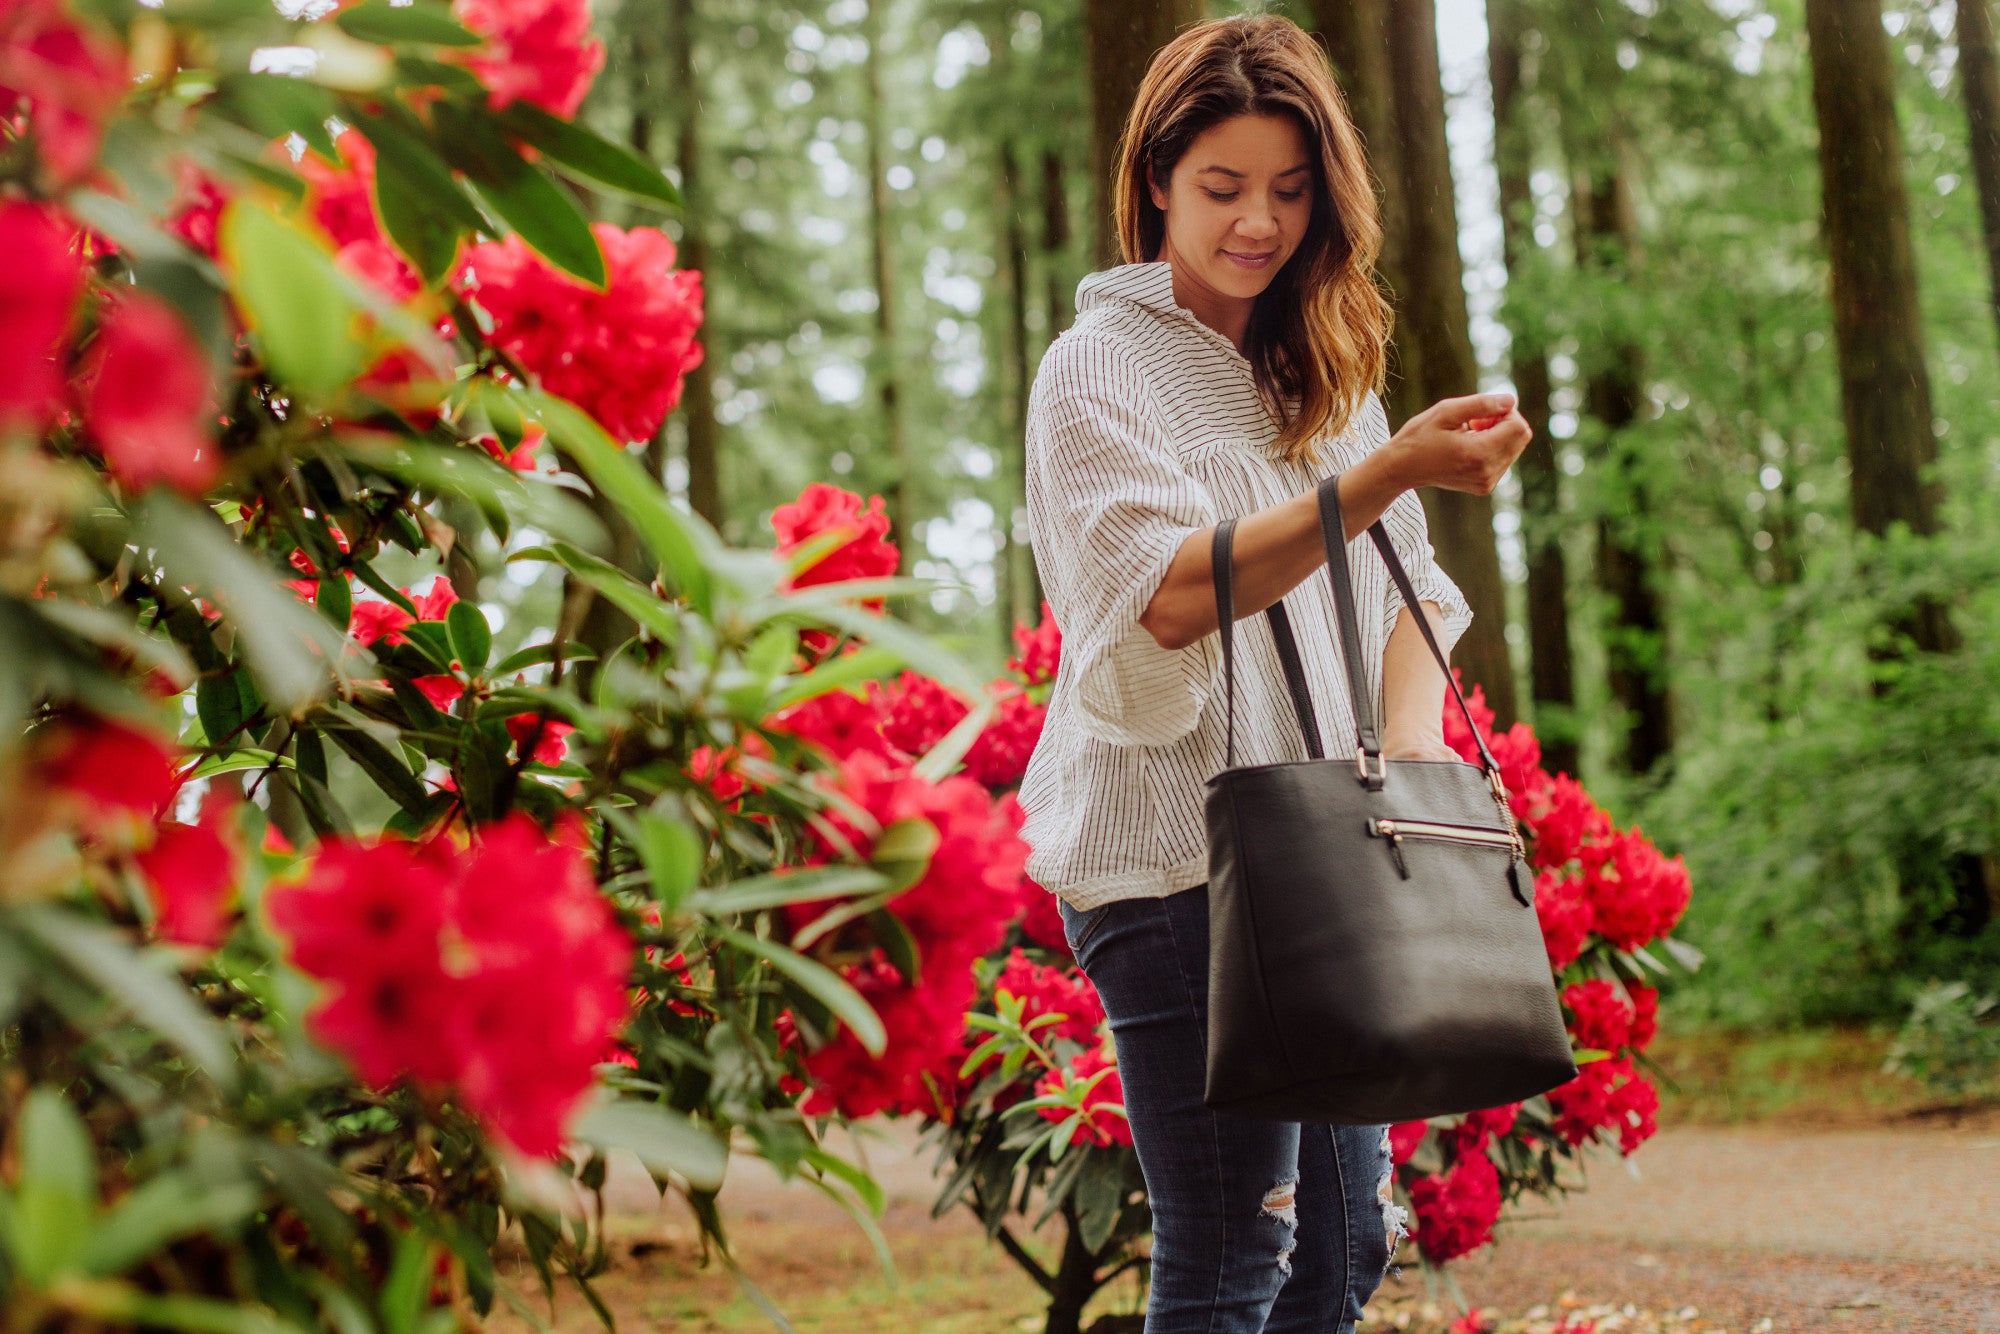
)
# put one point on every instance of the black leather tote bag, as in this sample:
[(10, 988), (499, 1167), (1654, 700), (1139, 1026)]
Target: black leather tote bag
[(1373, 949)]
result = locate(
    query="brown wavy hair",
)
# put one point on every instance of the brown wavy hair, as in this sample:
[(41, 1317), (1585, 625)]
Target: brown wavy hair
[(1318, 333)]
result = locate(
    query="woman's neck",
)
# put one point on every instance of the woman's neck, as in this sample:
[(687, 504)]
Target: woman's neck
[(1227, 315)]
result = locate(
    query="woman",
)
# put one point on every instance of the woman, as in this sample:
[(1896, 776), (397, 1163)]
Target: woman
[(1225, 372)]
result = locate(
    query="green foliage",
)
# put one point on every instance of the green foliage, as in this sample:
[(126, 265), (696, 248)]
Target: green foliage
[(1951, 1041)]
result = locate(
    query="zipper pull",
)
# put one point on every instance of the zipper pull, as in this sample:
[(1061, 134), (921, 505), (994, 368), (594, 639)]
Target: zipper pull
[(1387, 829)]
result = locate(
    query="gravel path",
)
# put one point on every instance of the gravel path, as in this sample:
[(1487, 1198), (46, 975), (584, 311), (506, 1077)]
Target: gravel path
[(1874, 1232)]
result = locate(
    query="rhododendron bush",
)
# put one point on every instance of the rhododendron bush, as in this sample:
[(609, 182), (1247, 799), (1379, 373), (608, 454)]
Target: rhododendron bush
[(351, 920)]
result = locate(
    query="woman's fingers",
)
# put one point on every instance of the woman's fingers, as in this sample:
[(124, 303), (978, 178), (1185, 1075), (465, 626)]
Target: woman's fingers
[(1471, 410)]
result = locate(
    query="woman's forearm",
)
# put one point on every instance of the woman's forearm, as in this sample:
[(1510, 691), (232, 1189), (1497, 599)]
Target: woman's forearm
[(1276, 548), (1413, 688)]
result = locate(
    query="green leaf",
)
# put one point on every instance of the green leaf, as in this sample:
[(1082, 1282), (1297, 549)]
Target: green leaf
[(428, 236), (276, 105), (1099, 1189), (661, 1138), (867, 663), (387, 770), (237, 762), (296, 309), (471, 638), (536, 654), (471, 474), (545, 214), (401, 1299), (335, 600), (422, 21), (108, 1302), (621, 590), (672, 854), (686, 547), (903, 852), (287, 645), (757, 893), (154, 999), (109, 629), (819, 982), (575, 147), (57, 1196), (164, 1210), (224, 704)]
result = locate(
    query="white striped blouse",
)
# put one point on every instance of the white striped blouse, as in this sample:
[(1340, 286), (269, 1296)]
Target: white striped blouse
[(1144, 426)]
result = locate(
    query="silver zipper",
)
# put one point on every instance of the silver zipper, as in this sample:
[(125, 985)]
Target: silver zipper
[(1395, 830)]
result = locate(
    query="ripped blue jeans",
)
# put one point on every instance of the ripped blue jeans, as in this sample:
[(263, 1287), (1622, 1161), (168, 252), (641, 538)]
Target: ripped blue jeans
[(1259, 1227)]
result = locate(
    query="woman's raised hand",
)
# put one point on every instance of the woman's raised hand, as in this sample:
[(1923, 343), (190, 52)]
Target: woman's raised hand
[(1463, 444)]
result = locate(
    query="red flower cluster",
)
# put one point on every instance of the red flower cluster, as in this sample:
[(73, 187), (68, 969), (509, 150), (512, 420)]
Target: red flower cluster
[(618, 354), (71, 78), (1636, 894), (1049, 990), (191, 875), (539, 51), (865, 554), (1041, 919), (114, 779), (998, 757), (717, 770), (1607, 1095), (1605, 1016), (1456, 1210), (1037, 651), (1478, 1129), (1565, 917), (495, 971), (146, 398), (955, 913), (376, 622), (916, 711), (39, 287), (1099, 1124)]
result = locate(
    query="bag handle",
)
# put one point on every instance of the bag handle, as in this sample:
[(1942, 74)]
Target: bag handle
[(1332, 534)]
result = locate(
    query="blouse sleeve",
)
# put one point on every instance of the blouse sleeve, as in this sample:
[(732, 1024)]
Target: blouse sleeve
[(1109, 505), (1409, 534)]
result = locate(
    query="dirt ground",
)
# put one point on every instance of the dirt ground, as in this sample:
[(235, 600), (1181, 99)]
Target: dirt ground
[(1778, 1197)]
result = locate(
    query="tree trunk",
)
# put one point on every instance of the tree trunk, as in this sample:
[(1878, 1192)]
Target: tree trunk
[(1436, 325), (1635, 644), (1551, 676), (1056, 242), (1885, 387), (1120, 37), (1979, 84), (1017, 565), (1356, 33), (698, 389), (887, 371)]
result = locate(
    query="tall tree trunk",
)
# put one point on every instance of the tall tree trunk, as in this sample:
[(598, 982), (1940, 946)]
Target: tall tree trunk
[(1435, 322), (1017, 564), (1356, 33), (1634, 648), (1055, 243), (1885, 387), (887, 371), (1551, 674), (1979, 84), (1120, 37), (698, 389)]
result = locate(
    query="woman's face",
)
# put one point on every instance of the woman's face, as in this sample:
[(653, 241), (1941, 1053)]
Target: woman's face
[(1238, 205)]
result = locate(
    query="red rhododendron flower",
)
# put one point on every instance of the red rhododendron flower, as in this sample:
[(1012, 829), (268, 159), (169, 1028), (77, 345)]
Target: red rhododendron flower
[(443, 692), (497, 970), (433, 603), (1478, 1129), (998, 757), (191, 875), (70, 76), (1645, 1015), (717, 770), (338, 194), (1636, 895), (839, 723), (1565, 916), (866, 554), (1565, 822), (196, 213), (374, 261), (114, 773), (916, 711), (548, 735), (1049, 990), (145, 390), (1455, 734), (1404, 1137), (540, 51), (1607, 1095), (1041, 919), (521, 458), (1099, 1124), (1600, 1016), (619, 354), (1456, 1211), (375, 622), (39, 287), (1037, 651)]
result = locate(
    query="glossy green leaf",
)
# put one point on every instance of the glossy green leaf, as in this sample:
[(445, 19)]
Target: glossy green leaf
[(57, 1194), (471, 638), (545, 214), (867, 663), (415, 21), (820, 982), (575, 147), (385, 767), (276, 105), (160, 1211), (298, 312), (757, 893), (672, 853), (661, 1138)]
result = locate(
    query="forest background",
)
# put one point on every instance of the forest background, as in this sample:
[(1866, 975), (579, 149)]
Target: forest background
[(1738, 583)]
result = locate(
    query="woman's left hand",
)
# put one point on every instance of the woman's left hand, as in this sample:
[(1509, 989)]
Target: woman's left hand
[(1430, 747)]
